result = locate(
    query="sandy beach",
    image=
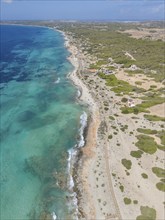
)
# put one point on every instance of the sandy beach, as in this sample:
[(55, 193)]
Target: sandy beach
[(102, 182), (92, 161)]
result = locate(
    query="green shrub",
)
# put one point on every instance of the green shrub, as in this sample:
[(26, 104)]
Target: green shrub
[(138, 83), (145, 176), (161, 135), (110, 43), (126, 163), (161, 186), (135, 202), (159, 172), (119, 86), (125, 127), (111, 68), (110, 136), (124, 99), (121, 188), (137, 109), (125, 110), (154, 118), (133, 72), (146, 144), (136, 154), (153, 86), (161, 147), (111, 117), (147, 131), (114, 174), (127, 201), (147, 213)]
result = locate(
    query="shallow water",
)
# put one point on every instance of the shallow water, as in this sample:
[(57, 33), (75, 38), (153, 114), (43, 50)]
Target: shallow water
[(40, 122)]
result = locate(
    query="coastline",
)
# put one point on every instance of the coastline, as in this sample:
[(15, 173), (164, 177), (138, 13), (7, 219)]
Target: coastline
[(84, 173), (101, 180), (85, 153)]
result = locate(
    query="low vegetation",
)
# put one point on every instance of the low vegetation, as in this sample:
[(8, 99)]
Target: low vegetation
[(111, 118), (147, 131), (144, 175), (126, 163), (135, 110), (161, 186), (136, 154), (154, 118), (159, 172), (147, 213), (138, 83), (124, 127), (147, 144), (161, 135), (119, 86), (149, 101), (148, 54), (143, 107), (127, 201), (124, 99), (134, 72), (121, 188), (162, 180), (135, 202), (110, 136)]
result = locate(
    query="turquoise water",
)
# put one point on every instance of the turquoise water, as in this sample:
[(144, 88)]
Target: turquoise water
[(40, 122)]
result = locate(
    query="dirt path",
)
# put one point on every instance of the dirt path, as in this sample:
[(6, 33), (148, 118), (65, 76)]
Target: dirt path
[(129, 55), (108, 171)]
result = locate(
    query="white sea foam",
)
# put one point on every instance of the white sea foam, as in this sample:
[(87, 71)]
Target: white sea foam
[(70, 160), (83, 122), (78, 93), (72, 154), (57, 81), (54, 216), (73, 204)]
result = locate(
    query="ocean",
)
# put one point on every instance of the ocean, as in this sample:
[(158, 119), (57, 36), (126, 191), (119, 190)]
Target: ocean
[(41, 125)]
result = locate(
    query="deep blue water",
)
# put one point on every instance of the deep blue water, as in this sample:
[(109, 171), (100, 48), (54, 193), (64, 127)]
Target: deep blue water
[(40, 122)]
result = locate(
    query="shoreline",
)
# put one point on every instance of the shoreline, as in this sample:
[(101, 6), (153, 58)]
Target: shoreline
[(84, 178), (92, 126), (86, 99)]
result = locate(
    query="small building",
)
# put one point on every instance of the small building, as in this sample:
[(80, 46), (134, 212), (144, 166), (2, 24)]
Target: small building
[(92, 70), (108, 72), (131, 103), (133, 67), (110, 59)]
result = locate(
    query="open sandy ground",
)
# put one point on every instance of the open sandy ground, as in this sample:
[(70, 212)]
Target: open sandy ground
[(144, 81), (158, 110), (151, 33)]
